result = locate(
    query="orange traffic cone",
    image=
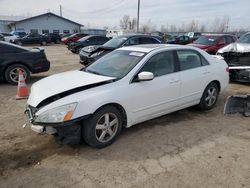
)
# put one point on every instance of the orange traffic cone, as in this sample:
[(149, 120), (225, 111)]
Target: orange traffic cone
[(22, 90)]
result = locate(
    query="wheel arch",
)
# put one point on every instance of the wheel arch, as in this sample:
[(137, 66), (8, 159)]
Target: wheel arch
[(15, 62), (120, 108), (217, 83)]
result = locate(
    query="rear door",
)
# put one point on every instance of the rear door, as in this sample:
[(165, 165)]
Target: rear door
[(195, 74), (160, 95)]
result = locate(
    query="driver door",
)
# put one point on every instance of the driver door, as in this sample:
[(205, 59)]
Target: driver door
[(149, 99)]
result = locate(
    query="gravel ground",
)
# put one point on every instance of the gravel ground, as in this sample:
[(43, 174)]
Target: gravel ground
[(187, 148)]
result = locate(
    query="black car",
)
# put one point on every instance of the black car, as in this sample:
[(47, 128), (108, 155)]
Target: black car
[(14, 57), (183, 39), (54, 37), (237, 56), (90, 54), (33, 38), (1, 37), (87, 41)]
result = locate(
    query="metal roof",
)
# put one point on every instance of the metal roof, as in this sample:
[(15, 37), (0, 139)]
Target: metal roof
[(48, 13)]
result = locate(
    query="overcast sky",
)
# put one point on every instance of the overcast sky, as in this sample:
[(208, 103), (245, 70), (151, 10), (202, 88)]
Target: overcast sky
[(100, 13)]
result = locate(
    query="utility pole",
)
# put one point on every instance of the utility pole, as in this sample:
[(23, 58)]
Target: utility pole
[(61, 10), (138, 16)]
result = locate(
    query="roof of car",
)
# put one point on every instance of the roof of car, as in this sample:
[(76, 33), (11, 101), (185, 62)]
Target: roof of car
[(217, 35), (146, 48), (132, 35)]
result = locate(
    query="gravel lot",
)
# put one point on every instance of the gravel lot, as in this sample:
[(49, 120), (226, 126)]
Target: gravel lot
[(188, 148)]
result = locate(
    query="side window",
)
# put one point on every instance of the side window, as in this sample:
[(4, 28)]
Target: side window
[(104, 39), (160, 64), (188, 59), (229, 39), (222, 40), (145, 40), (132, 41)]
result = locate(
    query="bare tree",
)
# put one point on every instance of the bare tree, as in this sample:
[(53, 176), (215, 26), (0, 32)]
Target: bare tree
[(220, 25), (124, 22), (148, 27), (202, 28), (132, 24)]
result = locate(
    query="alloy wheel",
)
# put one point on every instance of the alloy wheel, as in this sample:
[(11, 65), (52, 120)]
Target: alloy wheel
[(106, 127), (14, 74), (211, 96)]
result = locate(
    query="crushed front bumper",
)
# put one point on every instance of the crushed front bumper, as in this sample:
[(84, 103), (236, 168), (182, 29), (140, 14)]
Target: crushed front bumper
[(65, 132)]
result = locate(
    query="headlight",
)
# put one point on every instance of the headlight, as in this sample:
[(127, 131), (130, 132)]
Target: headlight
[(57, 115), (88, 49), (96, 54)]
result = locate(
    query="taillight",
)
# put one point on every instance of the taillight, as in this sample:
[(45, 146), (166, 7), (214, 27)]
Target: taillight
[(227, 69)]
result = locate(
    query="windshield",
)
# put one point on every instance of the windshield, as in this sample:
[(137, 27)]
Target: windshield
[(206, 40), (84, 38), (116, 64), (115, 42), (245, 38)]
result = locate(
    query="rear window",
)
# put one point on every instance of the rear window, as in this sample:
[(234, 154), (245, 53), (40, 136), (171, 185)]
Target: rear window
[(10, 48), (206, 40)]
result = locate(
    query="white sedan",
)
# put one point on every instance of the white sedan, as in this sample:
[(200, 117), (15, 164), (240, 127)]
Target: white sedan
[(125, 87), (9, 37)]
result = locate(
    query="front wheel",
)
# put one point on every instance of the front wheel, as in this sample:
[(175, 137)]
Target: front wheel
[(209, 97), (102, 128)]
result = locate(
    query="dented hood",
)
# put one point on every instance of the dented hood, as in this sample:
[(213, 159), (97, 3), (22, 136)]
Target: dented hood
[(236, 47), (61, 83)]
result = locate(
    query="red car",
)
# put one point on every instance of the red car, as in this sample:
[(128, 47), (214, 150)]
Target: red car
[(212, 43), (73, 38)]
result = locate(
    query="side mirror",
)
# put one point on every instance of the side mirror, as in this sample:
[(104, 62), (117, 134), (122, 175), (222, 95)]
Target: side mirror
[(145, 76)]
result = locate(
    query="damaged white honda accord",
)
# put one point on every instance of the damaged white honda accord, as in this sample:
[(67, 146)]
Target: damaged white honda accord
[(125, 87)]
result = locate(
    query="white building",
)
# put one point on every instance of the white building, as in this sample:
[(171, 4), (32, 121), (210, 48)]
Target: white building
[(46, 23)]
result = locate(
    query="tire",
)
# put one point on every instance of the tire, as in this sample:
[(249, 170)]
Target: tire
[(11, 73), (58, 41), (19, 43), (209, 97), (104, 134), (43, 43)]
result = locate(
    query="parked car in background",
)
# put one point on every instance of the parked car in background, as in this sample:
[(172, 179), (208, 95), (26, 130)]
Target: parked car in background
[(194, 35), (1, 37), (14, 57), (33, 38), (9, 37), (123, 88), (20, 34), (87, 41), (73, 38), (54, 37), (64, 35), (182, 39), (92, 53), (212, 43), (237, 55)]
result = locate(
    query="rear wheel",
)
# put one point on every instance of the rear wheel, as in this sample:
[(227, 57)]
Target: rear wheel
[(19, 43), (101, 129), (58, 41), (43, 43), (209, 97), (11, 73)]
